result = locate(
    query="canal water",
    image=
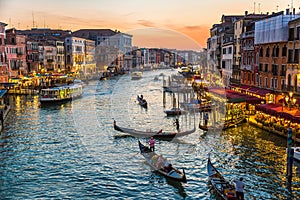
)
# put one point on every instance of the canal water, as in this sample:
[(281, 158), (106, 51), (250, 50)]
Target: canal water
[(71, 151)]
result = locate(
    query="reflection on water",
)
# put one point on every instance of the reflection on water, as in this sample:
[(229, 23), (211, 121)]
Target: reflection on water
[(71, 151)]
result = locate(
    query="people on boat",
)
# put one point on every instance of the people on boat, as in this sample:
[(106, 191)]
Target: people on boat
[(239, 187), (151, 143), (168, 168)]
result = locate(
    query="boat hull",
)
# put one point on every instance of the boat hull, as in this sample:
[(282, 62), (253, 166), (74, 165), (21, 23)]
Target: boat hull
[(157, 134)]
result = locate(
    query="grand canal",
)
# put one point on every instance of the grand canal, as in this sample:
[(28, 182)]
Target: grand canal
[(71, 151)]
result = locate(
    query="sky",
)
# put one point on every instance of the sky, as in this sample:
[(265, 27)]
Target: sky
[(177, 24)]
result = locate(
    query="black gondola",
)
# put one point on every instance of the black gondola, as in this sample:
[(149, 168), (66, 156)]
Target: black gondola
[(222, 188), (159, 163)]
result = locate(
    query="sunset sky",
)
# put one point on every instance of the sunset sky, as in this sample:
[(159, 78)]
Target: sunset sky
[(181, 24)]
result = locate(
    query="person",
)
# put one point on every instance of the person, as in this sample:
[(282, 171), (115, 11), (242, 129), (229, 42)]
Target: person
[(2, 119), (151, 143), (176, 123), (206, 119), (168, 168), (239, 187)]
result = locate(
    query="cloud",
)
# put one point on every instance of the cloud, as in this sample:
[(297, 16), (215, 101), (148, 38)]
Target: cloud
[(146, 23)]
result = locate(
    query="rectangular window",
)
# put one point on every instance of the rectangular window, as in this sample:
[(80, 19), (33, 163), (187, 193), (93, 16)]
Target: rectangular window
[(266, 67), (282, 84), (260, 67), (290, 56), (266, 82), (224, 50), (296, 56), (274, 70), (291, 34), (283, 70)]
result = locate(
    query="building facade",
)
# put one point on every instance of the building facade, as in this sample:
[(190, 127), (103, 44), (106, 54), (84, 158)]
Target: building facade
[(3, 60)]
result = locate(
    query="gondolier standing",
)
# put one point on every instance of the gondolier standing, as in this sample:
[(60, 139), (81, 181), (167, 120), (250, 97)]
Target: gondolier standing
[(176, 123), (205, 119), (239, 186), (151, 143)]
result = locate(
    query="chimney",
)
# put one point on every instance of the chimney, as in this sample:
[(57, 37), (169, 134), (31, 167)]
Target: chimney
[(287, 11), (246, 12)]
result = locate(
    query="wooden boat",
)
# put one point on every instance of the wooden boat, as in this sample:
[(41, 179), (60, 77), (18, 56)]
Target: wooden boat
[(222, 188), (160, 134), (215, 127), (175, 111), (226, 125), (142, 101), (136, 75), (159, 163), (60, 94)]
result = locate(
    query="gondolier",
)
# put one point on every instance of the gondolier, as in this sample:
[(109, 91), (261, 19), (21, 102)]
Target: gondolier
[(239, 186), (151, 143)]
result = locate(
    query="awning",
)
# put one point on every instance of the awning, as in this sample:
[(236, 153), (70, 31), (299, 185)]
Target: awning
[(235, 97), (278, 110)]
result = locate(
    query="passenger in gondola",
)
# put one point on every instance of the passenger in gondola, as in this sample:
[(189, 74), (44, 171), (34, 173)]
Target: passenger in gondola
[(151, 143), (168, 168)]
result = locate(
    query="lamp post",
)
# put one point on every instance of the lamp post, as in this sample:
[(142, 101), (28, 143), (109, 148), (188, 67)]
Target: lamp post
[(289, 100)]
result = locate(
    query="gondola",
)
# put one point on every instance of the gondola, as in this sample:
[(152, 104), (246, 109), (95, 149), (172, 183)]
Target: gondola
[(226, 125), (219, 185), (159, 163), (160, 134), (175, 111), (206, 128), (142, 101)]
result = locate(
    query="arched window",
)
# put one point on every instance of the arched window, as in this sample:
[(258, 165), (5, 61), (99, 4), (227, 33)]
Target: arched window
[(268, 52), (277, 52), (261, 52)]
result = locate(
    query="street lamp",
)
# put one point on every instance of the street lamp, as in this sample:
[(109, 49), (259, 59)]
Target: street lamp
[(289, 100)]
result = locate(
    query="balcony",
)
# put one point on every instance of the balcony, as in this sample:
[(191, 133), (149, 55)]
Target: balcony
[(247, 67), (248, 48), (248, 34)]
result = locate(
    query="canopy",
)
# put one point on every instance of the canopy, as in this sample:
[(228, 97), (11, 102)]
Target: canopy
[(235, 97), (278, 110)]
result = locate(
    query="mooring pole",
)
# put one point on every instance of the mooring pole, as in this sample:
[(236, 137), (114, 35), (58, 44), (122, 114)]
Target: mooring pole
[(290, 155)]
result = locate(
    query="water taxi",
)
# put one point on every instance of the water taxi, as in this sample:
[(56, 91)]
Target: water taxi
[(136, 75), (60, 94)]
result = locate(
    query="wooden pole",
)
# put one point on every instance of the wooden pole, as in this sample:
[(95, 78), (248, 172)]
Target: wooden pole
[(290, 155)]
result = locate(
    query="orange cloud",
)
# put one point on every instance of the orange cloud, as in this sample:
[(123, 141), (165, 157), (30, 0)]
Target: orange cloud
[(146, 23)]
